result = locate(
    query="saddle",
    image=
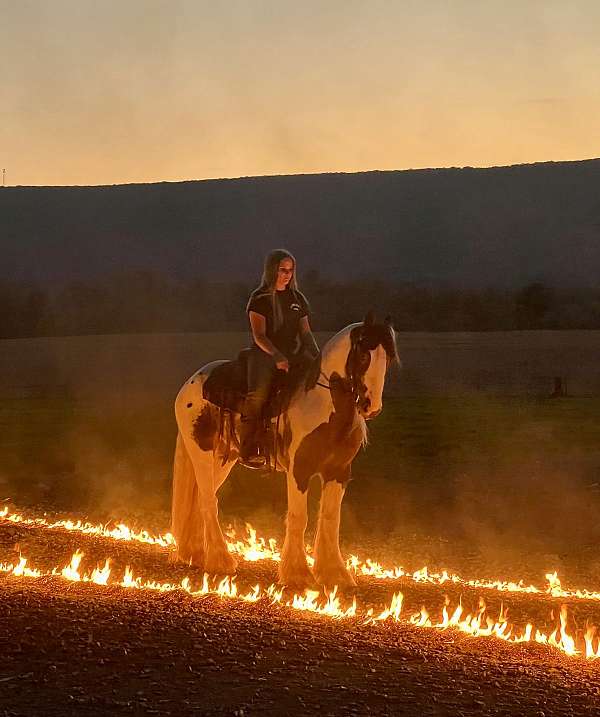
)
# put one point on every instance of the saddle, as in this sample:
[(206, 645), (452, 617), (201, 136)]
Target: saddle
[(227, 385)]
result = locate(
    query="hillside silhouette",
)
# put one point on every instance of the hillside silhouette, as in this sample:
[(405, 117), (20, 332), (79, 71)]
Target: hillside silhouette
[(502, 227)]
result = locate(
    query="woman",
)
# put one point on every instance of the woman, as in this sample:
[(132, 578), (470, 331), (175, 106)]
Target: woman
[(279, 320)]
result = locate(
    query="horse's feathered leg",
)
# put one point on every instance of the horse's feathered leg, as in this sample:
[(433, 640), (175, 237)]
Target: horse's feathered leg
[(186, 525), (293, 569), (329, 568), (210, 474)]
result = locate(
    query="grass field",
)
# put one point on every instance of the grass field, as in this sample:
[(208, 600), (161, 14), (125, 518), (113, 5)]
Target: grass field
[(495, 473), (86, 425), (128, 367)]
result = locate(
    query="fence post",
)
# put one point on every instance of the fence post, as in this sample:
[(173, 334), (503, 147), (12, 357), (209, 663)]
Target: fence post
[(559, 389)]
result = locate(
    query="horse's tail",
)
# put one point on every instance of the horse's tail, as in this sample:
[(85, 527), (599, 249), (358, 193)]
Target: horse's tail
[(186, 524)]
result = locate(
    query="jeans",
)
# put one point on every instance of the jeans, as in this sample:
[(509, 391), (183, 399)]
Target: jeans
[(261, 370)]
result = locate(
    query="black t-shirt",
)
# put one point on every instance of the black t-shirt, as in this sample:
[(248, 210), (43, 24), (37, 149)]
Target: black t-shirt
[(293, 307)]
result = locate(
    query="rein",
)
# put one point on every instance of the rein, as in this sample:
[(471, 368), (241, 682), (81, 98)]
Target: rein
[(322, 385), (355, 390)]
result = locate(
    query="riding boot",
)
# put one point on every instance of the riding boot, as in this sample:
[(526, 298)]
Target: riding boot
[(260, 376), (249, 455)]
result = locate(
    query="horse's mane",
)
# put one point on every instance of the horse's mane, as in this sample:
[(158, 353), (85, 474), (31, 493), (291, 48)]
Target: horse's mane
[(371, 335), (374, 335)]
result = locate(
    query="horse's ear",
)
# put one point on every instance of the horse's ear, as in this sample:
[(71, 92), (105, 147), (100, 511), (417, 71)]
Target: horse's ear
[(369, 318), (388, 321)]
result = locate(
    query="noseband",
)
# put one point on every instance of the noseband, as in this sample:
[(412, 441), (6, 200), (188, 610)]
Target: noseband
[(362, 342)]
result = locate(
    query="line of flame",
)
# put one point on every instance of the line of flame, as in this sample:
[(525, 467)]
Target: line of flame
[(476, 625), (253, 548)]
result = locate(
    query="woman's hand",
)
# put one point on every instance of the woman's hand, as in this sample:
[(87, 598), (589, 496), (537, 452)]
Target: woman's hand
[(282, 363)]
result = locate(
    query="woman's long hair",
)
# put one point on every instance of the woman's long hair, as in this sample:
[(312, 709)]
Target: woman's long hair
[(271, 267), (269, 280)]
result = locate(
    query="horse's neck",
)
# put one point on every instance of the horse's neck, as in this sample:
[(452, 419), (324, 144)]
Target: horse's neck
[(334, 360), (317, 403)]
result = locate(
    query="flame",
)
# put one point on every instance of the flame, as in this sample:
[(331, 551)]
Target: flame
[(100, 575), (590, 638), (20, 569), (421, 619), (331, 608), (71, 571), (373, 569), (393, 611), (252, 548), (478, 624), (560, 638), (119, 532)]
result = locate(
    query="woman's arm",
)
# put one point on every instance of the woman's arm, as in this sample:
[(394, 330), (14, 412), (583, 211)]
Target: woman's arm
[(309, 343), (258, 324)]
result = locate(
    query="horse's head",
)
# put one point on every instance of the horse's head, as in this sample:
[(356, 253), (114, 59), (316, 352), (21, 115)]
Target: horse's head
[(372, 350)]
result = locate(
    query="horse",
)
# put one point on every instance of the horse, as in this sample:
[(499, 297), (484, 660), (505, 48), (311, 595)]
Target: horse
[(320, 431)]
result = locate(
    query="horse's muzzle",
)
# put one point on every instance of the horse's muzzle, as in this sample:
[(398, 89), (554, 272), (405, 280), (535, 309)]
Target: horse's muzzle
[(373, 414)]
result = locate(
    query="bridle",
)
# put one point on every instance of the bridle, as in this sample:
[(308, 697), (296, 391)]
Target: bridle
[(357, 364), (323, 385), (364, 338)]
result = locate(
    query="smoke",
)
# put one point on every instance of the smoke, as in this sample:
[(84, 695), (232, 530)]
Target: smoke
[(513, 492), (480, 483)]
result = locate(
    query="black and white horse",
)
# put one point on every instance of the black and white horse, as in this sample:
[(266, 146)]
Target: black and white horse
[(319, 433)]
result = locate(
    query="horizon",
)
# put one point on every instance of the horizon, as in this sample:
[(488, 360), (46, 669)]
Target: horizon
[(301, 174)]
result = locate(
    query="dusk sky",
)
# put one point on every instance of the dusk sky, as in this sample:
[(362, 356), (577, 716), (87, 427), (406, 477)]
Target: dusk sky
[(147, 90)]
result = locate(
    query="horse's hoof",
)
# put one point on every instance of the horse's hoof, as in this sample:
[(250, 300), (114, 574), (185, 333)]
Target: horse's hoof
[(340, 577), (197, 560), (300, 577), (194, 557), (220, 564)]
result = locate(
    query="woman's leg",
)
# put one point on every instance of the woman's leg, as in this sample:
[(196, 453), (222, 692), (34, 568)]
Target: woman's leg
[(261, 367)]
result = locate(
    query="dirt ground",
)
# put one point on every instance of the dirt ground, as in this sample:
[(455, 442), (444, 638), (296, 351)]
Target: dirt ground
[(81, 649)]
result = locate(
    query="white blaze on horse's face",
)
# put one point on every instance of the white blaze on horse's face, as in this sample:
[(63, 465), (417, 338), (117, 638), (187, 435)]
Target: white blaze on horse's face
[(371, 402)]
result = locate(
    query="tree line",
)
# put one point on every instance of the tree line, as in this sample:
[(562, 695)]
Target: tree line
[(149, 302)]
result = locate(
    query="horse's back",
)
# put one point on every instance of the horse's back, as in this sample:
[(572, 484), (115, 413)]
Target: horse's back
[(191, 394)]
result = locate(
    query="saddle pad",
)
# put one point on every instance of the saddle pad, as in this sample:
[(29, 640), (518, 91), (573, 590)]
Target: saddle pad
[(227, 385)]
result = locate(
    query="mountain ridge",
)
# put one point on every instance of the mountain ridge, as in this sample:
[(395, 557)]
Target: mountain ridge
[(469, 226)]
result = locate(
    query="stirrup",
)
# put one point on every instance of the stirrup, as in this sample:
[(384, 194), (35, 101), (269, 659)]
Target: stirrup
[(255, 462)]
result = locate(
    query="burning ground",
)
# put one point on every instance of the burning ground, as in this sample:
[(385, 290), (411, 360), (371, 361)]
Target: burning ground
[(201, 646)]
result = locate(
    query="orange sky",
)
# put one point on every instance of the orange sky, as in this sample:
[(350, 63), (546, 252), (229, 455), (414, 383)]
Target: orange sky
[(148, 90)]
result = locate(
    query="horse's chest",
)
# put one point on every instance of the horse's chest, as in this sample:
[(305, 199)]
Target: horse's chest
[(328, 450)]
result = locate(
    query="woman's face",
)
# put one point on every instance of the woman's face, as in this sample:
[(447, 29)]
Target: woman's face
[(285, 272)]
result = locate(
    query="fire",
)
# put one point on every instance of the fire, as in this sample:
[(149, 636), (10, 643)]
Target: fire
[(20, 569), (332, 608), (560, 637), (421, 619), (119, 532), (373, 569), (393, 610), (71, 571), (590, 638), (481, 625), (253, 547), (477, 624), (100, 575)]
